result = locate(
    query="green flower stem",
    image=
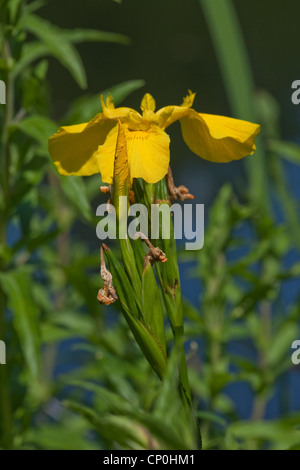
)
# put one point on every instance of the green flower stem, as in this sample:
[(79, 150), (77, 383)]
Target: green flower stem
[(170, 283), (168, 275)]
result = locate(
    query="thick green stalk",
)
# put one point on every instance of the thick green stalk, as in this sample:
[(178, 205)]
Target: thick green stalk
[(169, 279), (168, 275), (170, 284)]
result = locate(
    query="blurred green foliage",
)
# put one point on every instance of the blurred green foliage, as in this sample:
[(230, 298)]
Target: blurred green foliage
[(49, 277)]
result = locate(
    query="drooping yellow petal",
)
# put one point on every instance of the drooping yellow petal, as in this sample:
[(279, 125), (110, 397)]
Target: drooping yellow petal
[(72, 147), (105, 156), (169, 114), (163, 116), (218, 138), (148, 154)]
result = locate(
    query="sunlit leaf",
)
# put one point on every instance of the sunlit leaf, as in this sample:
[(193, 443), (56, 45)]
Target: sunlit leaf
[(57, 45)]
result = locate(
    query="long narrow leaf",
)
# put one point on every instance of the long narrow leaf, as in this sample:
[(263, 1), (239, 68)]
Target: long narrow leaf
[(238, 79), (57, 45)]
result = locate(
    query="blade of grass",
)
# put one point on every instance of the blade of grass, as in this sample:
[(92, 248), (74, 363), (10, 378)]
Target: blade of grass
[(236, 70)]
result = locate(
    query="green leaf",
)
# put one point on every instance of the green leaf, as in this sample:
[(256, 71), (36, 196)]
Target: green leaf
[(31, 51), (17, 286), (129, 262), (122, 284), (69, 434), (169, 387), (211, 417), (112, 428), (87, 290), (287, 150), (94, 35), (235, 66), (114, 402), (168, 273), (289, 205), (219, 380), (139, 254), (34, 241), (281, 344), (39, 128), (35, 50), (278, 432), (67, 324), (152, 309), (170, 436), (75, 190), (57, 45), (149, 345), (268, 110), (54, 333), (14, 8), (36, 5)]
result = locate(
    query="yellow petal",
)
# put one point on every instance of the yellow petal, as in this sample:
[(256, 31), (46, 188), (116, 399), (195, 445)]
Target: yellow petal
[(148, 103), (164, 114), (105, 156), (121, 161), (218, 138), (188, 100), (169, 114), (123, 114), (109, 101), (148, 154), (72, 147)]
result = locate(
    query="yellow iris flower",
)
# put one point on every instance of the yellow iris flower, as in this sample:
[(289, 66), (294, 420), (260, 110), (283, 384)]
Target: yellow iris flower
[(85, 149)]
